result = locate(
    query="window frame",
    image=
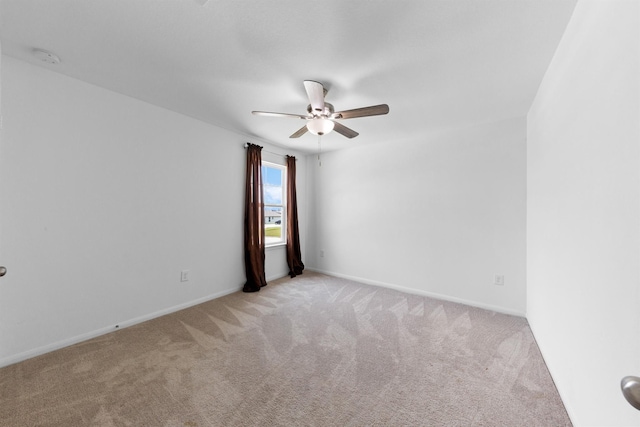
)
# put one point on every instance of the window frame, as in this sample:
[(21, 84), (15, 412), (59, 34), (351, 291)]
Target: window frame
[(283, 206)]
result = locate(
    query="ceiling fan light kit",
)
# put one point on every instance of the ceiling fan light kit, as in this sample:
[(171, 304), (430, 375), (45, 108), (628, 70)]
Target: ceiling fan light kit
[(321, 118), (320, 126)]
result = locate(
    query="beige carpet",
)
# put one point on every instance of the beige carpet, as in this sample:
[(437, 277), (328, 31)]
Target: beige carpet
[(309, 351)]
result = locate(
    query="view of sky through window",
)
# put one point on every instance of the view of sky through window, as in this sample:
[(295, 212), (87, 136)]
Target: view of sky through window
[(272, 181)]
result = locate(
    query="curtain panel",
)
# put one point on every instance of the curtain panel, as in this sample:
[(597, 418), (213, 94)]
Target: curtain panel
[(254, 222), (294, 256)]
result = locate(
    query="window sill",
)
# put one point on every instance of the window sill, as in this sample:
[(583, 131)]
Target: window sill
[(275, 246)]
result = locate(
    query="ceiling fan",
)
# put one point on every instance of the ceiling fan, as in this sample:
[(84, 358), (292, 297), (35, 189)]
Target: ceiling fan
[(321, 117)]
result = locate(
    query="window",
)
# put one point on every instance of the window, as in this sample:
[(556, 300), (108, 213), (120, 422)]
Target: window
[(273, 180)]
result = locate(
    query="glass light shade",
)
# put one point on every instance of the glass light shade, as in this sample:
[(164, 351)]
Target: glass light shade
[(320, 126)]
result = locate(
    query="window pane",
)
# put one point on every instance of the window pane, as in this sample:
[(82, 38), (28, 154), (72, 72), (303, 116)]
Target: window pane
[(273, 224), (272, 181), (272, 195), (274, 214)]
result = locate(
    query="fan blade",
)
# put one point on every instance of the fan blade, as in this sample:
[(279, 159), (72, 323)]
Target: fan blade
[(299, 132), (344, 131), (375, 110), (270, 114), (315, 92)]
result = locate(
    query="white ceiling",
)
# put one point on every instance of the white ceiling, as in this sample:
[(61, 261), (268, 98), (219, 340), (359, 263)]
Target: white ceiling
[(437, 63)]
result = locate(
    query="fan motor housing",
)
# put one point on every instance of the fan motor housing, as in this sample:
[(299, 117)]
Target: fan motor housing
[(328, 110)]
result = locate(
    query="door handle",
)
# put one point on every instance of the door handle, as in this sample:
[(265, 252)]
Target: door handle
[(631, 390), (3, 271)]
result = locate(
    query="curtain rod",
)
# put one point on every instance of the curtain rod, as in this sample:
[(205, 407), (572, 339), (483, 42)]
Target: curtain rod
[(246, 145)]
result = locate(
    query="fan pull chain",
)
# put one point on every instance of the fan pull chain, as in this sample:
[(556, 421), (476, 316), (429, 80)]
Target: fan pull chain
[(319, 151)]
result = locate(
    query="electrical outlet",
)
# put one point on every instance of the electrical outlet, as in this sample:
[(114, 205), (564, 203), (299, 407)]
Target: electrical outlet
[(184, 276), (499, 280), (321, 253)]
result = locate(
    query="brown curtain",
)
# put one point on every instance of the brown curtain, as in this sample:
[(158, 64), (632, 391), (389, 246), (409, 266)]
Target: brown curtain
[(294, 257), (254, 222)]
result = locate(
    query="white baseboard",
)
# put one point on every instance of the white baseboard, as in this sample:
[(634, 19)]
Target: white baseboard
[(566, 401), (420, 292), (102, 331)]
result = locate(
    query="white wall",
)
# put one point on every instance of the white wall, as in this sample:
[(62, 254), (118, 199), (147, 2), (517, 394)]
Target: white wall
[(104, 200), (583, 231), (440, 216)]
